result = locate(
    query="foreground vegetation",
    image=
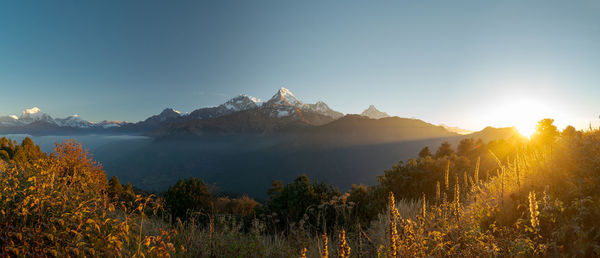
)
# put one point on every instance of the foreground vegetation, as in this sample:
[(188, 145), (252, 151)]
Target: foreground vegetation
[(511, 197)]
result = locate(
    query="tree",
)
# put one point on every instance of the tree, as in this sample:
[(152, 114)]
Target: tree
[(366, 202), (114, 186), (424, 153), (75, 162), (445, 149), (276, 188), (569, 131), (545, 132), (465, 147), (186, 196), (292, 202), (27, 153)]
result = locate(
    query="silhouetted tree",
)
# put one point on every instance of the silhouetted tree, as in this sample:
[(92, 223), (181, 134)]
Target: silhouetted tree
[(569, 131), (445, 149), (424, 153), (465, 147), (545, 132)]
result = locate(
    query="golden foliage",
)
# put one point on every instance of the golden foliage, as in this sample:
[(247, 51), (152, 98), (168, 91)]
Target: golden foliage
[(59, 207)]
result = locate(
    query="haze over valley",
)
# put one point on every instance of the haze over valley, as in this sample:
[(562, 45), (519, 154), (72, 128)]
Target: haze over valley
[(244, 143)]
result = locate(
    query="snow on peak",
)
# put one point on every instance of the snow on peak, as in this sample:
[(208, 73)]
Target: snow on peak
[(9, 120), (374, 113), (253, 99), (242, 102), (110, 124), (285, 97), (170, 112), (33, 110), (166, 114), (323, 109), (73, 121), (285, 91)]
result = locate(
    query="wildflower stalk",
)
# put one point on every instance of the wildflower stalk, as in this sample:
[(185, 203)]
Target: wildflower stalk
[(423, 208), (303, 253), (343, 247), (437, 192), (324, 252), (476, 174), (457, 197), (393, 214), (501, 188), (447, 175), (534, 211), (466, 181)]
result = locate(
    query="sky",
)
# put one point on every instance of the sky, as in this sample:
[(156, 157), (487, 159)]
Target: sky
[(461, 63)]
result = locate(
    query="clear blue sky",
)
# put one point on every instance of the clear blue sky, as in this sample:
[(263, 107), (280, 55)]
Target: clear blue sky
[(453, 62)]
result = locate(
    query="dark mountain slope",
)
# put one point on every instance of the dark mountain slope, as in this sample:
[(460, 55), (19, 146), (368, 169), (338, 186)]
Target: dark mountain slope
[(352, 130), (254, 121)]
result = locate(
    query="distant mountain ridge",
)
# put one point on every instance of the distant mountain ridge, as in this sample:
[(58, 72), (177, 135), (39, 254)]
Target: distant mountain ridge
[(36, 116), (283, 105), (456, 129), (282, 113)]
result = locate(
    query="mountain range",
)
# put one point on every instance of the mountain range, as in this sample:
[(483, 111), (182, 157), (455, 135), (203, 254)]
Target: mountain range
[(283, 110)]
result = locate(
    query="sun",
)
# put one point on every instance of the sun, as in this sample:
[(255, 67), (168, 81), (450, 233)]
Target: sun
[(522, 113)]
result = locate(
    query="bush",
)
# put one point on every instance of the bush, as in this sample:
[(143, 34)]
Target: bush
[(57, 206), (188, 196)]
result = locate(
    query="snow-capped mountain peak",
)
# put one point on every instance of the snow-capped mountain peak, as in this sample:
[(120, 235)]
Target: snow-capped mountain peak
[(35, 114), (169, 112), (323, 109), (110, 124), (320, 106), (166, 114), (285, 97), (242, 102), (374, 113), (73, 121), (11, 120)]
